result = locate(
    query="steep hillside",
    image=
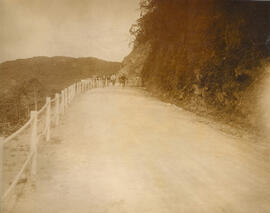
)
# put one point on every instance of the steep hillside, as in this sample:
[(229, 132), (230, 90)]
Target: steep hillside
[(24, 83), (204, 57), (132, 64)]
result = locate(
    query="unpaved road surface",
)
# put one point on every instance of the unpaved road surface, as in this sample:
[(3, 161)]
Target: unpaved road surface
[(121, 151)]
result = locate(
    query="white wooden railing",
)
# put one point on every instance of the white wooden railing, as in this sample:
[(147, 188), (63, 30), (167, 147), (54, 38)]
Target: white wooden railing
[(40, 124)]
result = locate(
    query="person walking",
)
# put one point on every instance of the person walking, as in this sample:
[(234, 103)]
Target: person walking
[(123, 80), (104, 81), (138, 81), (113, 79), (108, 80)]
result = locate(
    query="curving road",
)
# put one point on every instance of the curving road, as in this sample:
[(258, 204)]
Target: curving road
[(122, 151)]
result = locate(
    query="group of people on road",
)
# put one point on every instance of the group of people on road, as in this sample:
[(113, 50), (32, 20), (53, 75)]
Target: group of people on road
[(103, 81)]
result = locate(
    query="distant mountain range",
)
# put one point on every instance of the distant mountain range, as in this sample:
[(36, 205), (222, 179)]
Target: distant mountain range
[(54, 73)]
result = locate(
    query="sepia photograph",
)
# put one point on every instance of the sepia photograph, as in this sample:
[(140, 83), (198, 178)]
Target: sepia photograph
[(134, 106)]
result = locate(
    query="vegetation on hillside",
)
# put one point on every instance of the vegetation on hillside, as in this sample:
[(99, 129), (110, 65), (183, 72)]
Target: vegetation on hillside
[(24, 83), (203, 54)]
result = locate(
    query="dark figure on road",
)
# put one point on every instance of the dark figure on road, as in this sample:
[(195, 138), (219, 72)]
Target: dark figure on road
[(113, 79), (108, 80), (104, 81), (123, 80)]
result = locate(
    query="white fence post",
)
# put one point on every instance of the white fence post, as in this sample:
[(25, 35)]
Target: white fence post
[(1, 173), (71, 88), (66, 98), (57, 109), (34, 141), (48, 119), (68, 93), (82, 86), (72, 91), (62, 102)]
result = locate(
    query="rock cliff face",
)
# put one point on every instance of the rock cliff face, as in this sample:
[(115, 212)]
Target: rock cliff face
[(252, 110), (132, 64), (209, 59)]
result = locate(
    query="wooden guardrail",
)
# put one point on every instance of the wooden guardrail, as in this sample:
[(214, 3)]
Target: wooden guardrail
[(39, 125)]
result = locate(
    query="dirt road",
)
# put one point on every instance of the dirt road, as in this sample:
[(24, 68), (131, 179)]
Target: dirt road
[(121, 151)]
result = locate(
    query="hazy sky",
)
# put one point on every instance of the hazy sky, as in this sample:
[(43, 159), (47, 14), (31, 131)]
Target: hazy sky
[(77, 28)]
